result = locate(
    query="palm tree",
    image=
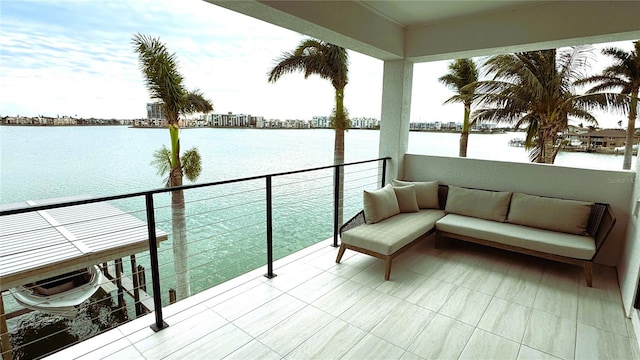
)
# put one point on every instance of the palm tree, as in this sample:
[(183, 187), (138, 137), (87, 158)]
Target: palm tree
[(623, 75), (536, 89), (462, 78), (315, 57), (164, 82)]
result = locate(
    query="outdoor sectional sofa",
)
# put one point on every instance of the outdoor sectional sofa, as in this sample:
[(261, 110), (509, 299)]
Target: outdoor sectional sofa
[(398, 216)]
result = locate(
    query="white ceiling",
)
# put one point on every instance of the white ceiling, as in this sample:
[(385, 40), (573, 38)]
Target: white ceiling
[(428, 30), (421, 12)]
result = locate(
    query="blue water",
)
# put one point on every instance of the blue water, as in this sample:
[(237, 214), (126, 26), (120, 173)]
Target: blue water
[(45, 162)]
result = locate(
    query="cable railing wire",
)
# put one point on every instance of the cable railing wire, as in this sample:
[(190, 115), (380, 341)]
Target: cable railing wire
[(224, 236)]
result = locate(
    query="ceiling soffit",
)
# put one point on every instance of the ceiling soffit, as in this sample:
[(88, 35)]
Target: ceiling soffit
[(409, 13), (345, 23), (436, 30), (544, 26)]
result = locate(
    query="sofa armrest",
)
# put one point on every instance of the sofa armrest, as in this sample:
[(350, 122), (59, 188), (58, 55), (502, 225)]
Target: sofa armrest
[(357, 220), (601, 221)]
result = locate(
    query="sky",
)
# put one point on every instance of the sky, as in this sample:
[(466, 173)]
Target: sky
[(75, 58)]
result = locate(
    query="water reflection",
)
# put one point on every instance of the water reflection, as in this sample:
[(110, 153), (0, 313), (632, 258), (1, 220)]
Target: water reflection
[(35, 334)]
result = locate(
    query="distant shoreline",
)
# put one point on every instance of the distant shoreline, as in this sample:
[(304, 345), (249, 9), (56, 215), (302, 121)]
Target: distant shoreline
[(70, 125), (498, 131)]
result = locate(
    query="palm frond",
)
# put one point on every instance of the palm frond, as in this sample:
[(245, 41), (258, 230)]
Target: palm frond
[(340, 121), (314, 57), (195, 102), (328, 61), (192, 164), (162, 162), (160, 70)]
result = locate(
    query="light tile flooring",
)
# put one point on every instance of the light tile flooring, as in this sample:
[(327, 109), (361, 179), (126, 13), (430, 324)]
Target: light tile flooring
[(461, 301)]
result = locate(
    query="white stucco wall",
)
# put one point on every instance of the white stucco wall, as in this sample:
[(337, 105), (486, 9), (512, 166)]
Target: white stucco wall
[(612, 187), (629, 263)]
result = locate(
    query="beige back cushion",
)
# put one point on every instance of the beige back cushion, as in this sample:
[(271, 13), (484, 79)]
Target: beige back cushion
[(567, 216), (380, 204), (406, 196), (426, 193), (490, 205)]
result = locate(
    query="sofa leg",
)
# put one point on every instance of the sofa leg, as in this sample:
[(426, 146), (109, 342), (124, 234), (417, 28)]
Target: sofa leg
[(588, 273), (340, 253), (438, 239), (387, 272)]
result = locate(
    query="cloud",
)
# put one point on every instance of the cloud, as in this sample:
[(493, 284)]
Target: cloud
[(76, 58)]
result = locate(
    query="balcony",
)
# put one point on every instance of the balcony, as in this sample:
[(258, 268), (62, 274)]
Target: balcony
[(460, 301)]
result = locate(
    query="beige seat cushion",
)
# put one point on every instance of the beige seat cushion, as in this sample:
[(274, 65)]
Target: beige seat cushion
[(568, 216), (406, 196), (490, 205), (551, 242), (379, 204), (388, 236), (426, 192)]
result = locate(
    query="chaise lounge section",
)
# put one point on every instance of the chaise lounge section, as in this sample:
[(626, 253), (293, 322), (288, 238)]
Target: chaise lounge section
[(393, 220)]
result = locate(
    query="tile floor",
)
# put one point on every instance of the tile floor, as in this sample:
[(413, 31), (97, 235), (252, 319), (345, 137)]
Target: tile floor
[(462, 301)]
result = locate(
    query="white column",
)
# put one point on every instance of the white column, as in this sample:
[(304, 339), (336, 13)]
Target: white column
[(629, 263), (396, 108)]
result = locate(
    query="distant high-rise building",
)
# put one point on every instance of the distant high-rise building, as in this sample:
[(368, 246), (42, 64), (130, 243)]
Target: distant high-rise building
[(234, 120), (154, 111)]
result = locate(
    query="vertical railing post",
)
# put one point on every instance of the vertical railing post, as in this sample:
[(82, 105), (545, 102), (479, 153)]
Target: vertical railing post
[(155, 267), (636, 303), (269, 274), (384, 172), (336, 200), (136, 285)]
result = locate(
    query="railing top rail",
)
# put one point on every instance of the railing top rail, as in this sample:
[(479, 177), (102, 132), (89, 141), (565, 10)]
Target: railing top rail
[(169, 189)]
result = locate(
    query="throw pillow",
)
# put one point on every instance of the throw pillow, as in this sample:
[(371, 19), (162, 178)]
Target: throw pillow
[(426, 193), (484, 204), (406, 196), (380, 204), (568, 216)]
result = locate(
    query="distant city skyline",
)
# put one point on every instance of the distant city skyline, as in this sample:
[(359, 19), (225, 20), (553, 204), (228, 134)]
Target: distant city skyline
[(75, 58)]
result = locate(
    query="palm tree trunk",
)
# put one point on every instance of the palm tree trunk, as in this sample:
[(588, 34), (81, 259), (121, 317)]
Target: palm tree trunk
[(464, 136), (178, 222), (464, 140), (338, 158), (548, 150), (631, 128), (180, 245), (556, 150), (340, 125)]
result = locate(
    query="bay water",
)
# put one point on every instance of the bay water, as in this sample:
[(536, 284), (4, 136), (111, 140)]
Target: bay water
[(46, 162)]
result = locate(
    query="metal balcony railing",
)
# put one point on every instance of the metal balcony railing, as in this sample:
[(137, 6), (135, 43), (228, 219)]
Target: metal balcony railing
[(232, 227)]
